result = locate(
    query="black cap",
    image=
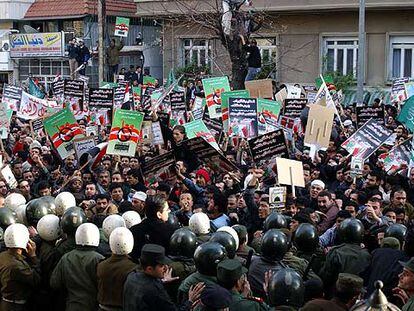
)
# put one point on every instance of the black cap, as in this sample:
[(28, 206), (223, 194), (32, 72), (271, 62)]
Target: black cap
[(230, 270), (215, 296), (154, 254), (409, 265)]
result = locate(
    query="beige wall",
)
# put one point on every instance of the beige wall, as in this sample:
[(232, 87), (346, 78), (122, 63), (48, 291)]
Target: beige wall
[(301, 40)]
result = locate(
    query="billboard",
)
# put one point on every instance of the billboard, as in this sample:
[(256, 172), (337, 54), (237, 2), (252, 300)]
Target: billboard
[(48, 44)]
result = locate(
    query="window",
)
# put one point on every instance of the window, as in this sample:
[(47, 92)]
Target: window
[(197, 51), (401, 57), (268, 50), (43, 68), (341, 55)]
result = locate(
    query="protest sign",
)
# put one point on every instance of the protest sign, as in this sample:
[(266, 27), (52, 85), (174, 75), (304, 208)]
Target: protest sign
[(92, 130), (290, 172), (149, 81), (32, 107), (406, 115), (58, 87), (277, 197), (293, 107), (357, 166), (5, 116), (365, 113), (225, 105), (366, 140), (119, 96), (121, 27), (198, 109), (12, 96), (397, 156), (136, 96), (293, 92), (281, 95), (214, 125), (268, 113), (214, 159), (157, 136), (146, 132), (37, 128), (398, 90), (178, 108), (9, 177), (197, 128), (101, 98), (243, 117), (83, 145), (268, 146), (62, 129), (161, 164), (213, 87), (409, 89), (125, 132), (73, 89), (260, 88), (319, 126)]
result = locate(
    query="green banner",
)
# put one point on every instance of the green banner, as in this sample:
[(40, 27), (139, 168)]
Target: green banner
[(268, 113), (406, 115), (149, 81), (125, 132), (62, 129), (198, 128), (225, 105), (121, 26), (213, 87)]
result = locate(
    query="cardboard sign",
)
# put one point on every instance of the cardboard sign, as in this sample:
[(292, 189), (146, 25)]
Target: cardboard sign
[(213, 87), (243, 117), (290, 172), (268, 146), (260, 88), (357, 166), (319, 126), (12, 96), (8, 176), (268, 113), (365, 113), (101, 98), (293, 107), (157, 165), (125, 132), (366, 140), (277, 197), (62, 129), (210, 156), (225, 104), (281, 95), (82, 145), (121, 27)]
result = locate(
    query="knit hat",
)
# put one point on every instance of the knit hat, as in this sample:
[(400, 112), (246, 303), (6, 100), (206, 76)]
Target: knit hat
[(203, 173), (318, 182)]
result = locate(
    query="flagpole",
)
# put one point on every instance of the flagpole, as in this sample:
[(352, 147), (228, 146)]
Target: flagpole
[(361, 54), (336, 110)]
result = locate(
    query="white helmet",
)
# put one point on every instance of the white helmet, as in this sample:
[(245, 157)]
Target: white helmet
[(199, 223), (232, 232), (121, 241), (87, 234), (111, 222), (14, 200), (21, 214), (63, 201), (131, 218), (48, 227), (16, 236)]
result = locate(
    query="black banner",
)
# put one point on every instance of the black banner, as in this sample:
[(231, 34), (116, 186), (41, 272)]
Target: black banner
[(74, 88), (119, 95), (12, 92), (365, 113), (293, 107), (158, 164), (58, 87), (269, 146), (102, 98)]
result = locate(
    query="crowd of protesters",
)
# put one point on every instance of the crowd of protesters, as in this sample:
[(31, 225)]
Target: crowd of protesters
[(105, 238)]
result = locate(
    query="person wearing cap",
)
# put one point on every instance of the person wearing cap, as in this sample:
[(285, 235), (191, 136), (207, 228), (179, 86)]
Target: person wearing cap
[(348, 291), (316, 186), (144, 290), (138, 203), (214, 297), (405, 289), (232, 276), (197, 189)]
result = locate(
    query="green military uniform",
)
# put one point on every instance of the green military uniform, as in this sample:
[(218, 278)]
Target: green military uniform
[(319, 260), (257, 244), (344, 258), (409, 306), (76, 272), (18, 280), (299, 265), (181, 268), (241, 303), (243, 253), (191, 280), (111, 274), (202, 238)]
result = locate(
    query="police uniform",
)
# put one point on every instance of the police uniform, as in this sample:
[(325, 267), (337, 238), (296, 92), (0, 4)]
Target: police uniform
[(191, 280), (111, 274), (18, 280), (299, 265)]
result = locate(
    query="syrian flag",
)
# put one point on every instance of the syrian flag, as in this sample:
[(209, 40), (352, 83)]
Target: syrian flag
[(93, 156)]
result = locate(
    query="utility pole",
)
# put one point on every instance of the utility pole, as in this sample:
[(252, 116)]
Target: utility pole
[(361, 54), (101, 42)]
